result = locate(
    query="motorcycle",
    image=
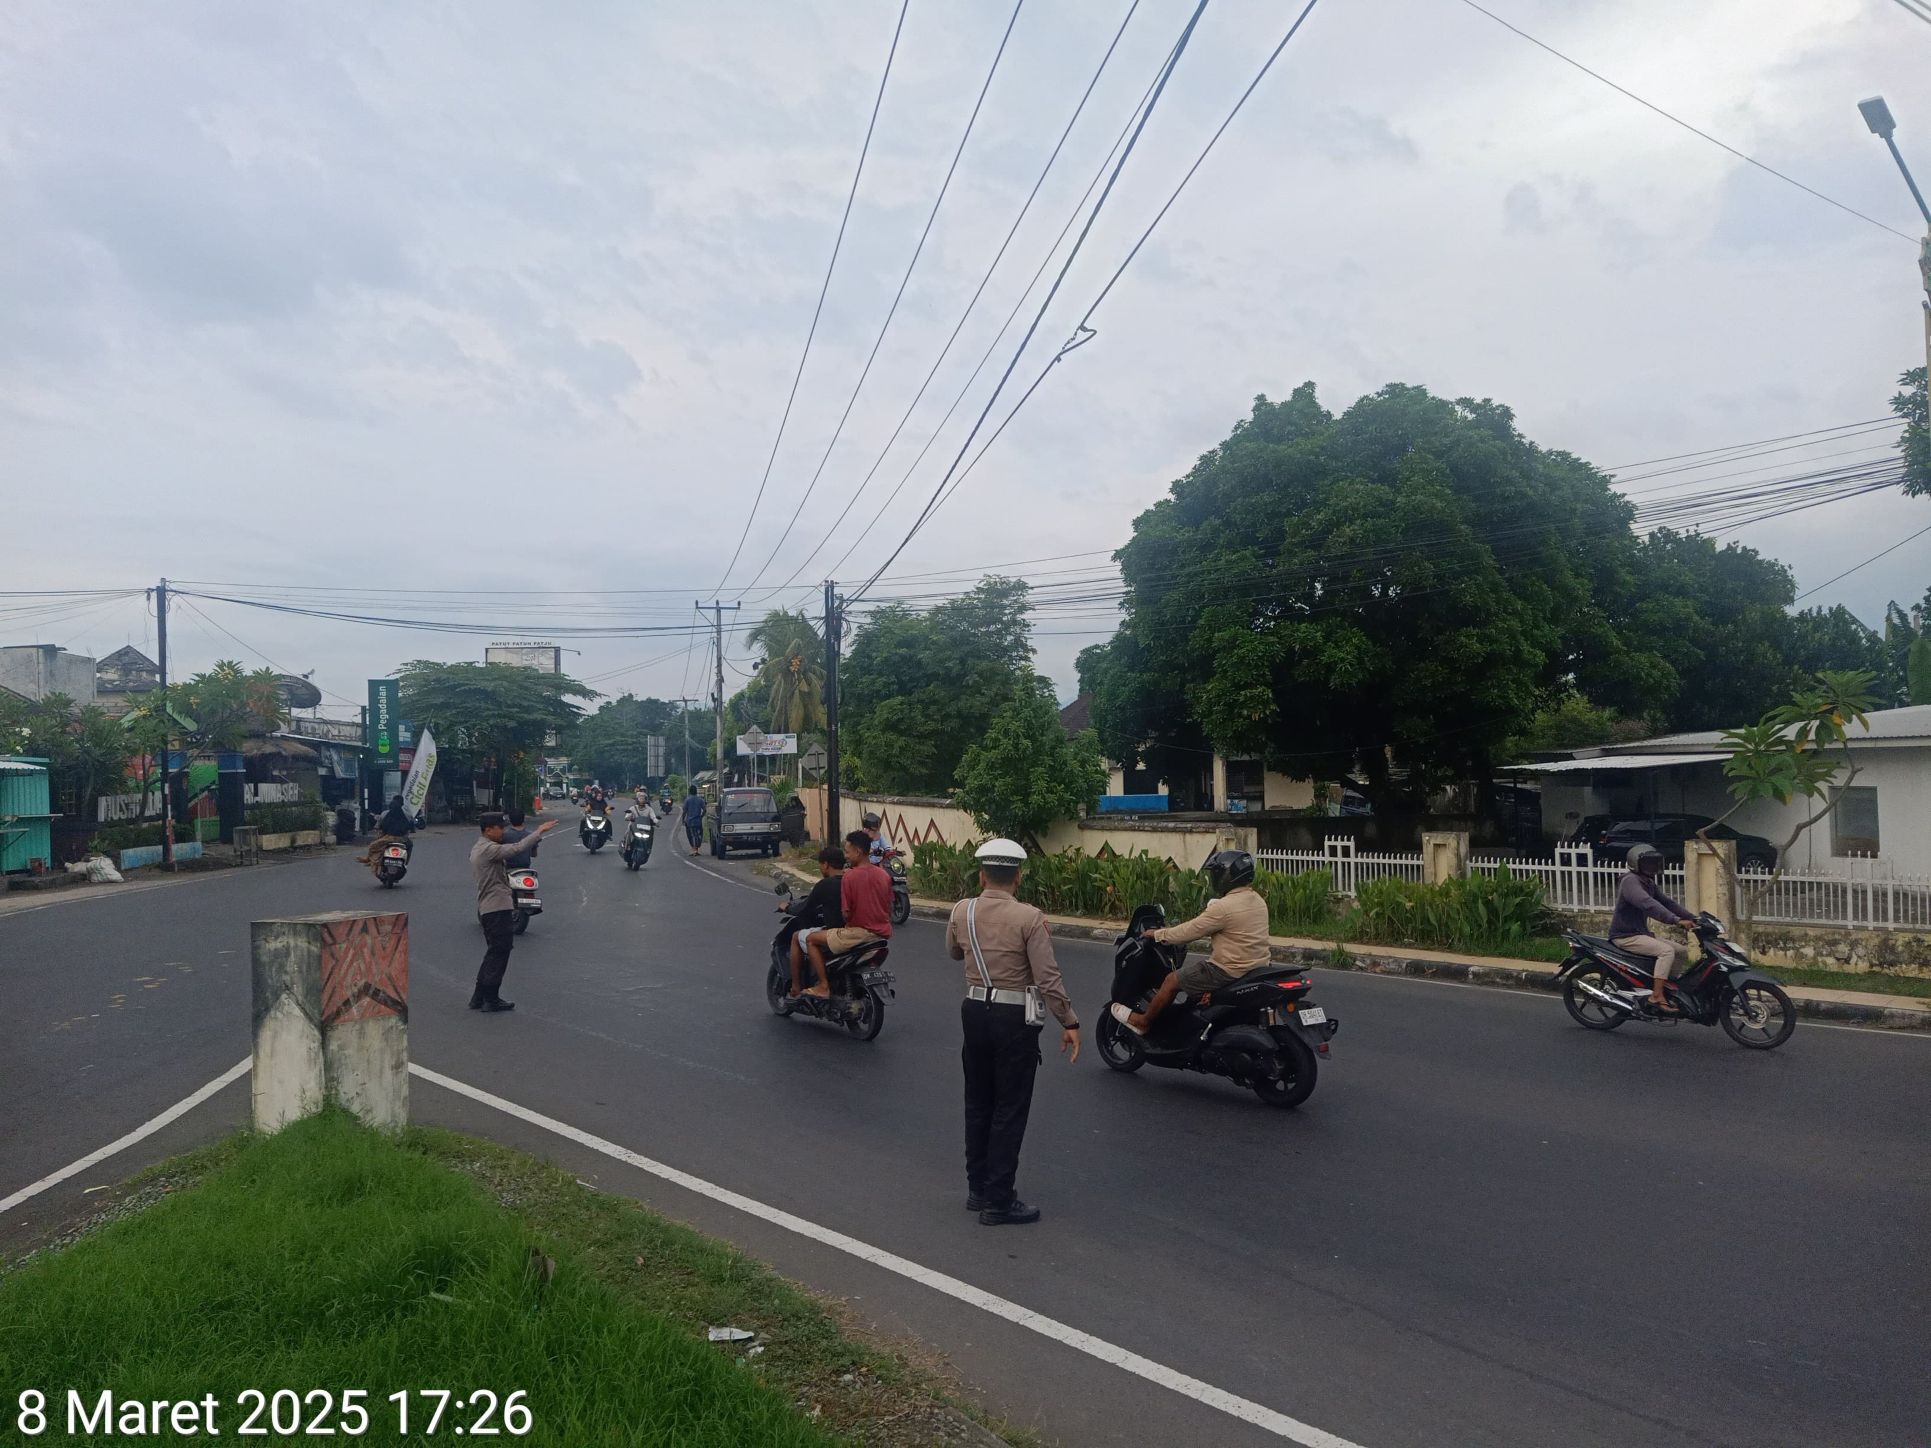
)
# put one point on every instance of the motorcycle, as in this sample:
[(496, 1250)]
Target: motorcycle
[(859, 981), (635, 850), (894, 863), (525, 902), (1603, 987), (393, 865), (595, 830), (1261, 1031)]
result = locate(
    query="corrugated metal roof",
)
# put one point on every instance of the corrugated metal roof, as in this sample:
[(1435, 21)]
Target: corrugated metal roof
[(16, 766), (1619, 761), (1913, 721)]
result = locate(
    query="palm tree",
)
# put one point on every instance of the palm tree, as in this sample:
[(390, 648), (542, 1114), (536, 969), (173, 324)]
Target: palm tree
[(791, 671)]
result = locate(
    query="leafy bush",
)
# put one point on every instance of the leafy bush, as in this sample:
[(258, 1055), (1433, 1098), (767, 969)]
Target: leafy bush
[(1491, 914), (115, 838), (283, 819), (1296, 902)]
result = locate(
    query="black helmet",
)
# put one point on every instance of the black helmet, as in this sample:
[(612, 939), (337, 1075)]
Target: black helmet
[(871, 819), (1229, 870)]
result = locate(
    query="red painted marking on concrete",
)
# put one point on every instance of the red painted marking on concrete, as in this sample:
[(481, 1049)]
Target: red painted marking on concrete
[(365, 968)]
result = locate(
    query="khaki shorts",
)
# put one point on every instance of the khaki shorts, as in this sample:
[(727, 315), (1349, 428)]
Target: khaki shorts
[(1201, 975), (846, 937)]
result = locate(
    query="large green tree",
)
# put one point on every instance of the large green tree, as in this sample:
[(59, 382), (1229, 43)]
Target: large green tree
[(791, 671), (919, 688), (1915, 441), (1027, 772), (1907, 641), (491, 714), (1394, 586)]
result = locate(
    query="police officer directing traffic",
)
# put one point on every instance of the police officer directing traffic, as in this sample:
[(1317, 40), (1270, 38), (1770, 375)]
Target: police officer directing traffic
[(1010, 973)]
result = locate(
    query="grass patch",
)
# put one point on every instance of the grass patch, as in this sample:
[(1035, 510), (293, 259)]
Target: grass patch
[(1874, 982), (330, 1257)]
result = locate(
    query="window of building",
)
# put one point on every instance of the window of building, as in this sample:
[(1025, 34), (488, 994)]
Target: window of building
[(1247, 781), (1853, 824)]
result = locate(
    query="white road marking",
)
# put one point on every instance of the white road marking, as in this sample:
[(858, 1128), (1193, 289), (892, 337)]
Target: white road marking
[(1279, 1424), (727, 879), (144, 1130)]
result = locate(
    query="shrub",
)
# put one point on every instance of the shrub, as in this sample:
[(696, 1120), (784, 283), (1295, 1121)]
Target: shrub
[(1297, 902), (282, 819), (1482, 913)]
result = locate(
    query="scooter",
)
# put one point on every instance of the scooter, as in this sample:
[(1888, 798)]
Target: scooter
[(525, 902), (393, 865), (595, 830), (1603, 987), (894, 863), (859, 981), (1261, 1032), (635, 849)]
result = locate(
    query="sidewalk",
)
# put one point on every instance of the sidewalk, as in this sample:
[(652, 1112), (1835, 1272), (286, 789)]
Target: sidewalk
[(1848, 1007)]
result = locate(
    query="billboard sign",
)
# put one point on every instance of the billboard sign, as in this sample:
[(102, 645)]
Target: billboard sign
[(654, 755), (757, 742), (384, 735), (544, 658)]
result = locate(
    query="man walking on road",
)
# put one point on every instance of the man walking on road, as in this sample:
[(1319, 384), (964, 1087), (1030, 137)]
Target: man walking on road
[(489, 861), (1010, 971), (694, 820)]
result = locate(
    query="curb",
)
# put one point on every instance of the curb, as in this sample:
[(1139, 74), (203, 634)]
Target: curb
[(1507, 975)]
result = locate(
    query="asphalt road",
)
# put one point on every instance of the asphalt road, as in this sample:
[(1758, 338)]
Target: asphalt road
[(1486, 1227)]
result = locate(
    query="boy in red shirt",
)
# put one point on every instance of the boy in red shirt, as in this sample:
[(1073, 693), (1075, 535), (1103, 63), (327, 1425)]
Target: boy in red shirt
[(866, 896)]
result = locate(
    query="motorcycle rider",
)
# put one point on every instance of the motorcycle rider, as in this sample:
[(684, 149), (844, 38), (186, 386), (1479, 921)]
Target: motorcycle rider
[(594, 802), (1638, 902), (393, 830), (694, 820), (865, 897), (1235, 919), (880, 846), (822, 909), (515, 832)]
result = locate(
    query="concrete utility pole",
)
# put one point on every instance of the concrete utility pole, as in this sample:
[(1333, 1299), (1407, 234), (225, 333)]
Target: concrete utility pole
[(832, 622), (167, 725), (717, 616), (684, 710), (1877, 115)]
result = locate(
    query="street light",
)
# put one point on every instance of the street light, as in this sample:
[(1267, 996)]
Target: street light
[(1877, 116)]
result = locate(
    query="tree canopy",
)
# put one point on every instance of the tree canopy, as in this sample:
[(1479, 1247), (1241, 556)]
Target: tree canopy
[(1027, 772), (496, 710), (1915, 441), (919, 688), (791, 671)]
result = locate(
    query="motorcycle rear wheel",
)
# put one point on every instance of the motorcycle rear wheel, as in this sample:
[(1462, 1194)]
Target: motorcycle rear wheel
[(901, 908), (1296, 1081), (867, 1017), (1759, 1016), (520, 921), (1586, 1010), (1119, 1047)]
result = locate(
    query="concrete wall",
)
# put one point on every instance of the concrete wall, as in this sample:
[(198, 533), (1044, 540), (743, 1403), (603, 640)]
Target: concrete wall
[(37, 670)]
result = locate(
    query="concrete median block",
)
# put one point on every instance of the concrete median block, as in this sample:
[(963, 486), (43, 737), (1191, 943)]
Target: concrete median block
[(331, 1017)]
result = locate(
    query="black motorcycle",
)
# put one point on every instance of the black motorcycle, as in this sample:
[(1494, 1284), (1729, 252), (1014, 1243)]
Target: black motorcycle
[(595, 829), (635, 849), (894, 863), (1603, 987), (394, 863), (1261, 1031), (859, 981)]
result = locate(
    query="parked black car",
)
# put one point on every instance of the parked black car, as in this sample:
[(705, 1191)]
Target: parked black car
[(1611, 838), (746, 819)]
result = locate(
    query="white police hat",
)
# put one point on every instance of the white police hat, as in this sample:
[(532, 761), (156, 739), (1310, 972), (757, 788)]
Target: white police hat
[(1001, 852)]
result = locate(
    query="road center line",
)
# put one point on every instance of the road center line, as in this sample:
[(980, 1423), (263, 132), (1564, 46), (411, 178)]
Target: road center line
[(140, 1133), (1279, 1424)]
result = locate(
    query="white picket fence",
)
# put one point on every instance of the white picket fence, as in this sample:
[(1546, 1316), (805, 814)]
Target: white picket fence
[(1867, 896), (1347, 865)]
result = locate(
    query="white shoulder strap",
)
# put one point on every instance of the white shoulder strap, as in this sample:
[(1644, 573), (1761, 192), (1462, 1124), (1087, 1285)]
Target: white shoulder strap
[(972, 935)]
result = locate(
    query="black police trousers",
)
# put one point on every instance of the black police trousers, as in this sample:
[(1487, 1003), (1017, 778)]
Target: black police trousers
[(499, 935), (1001, 1056)]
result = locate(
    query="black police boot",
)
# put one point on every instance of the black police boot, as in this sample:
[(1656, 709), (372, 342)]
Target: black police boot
[(975, 1201), (499, 1004), (1014, 1214)]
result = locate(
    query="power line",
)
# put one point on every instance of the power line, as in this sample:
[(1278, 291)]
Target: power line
[(897, 297), (1693, 130), (248, 648), (1760, 442), (1083, 332), (1917, 8), (1146, 114), (1865, 564), (979, 291), (824, 287)]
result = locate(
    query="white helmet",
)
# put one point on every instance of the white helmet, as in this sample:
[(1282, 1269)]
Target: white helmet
[(1001, 852)]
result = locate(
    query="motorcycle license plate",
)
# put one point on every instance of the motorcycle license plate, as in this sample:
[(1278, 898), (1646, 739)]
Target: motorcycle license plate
[(533, 905), (1312, 1016)]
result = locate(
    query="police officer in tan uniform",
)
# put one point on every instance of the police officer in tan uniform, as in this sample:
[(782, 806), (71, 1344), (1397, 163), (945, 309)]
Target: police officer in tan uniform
[(1011, 981)]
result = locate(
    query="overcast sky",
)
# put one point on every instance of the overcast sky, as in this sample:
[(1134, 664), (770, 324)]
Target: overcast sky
[(491, 295)]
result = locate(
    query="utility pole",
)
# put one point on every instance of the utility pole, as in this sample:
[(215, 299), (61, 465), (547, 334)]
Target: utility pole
[(1877, 116), (167, 726), (684, 709), (832, 625), (717, 616)]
